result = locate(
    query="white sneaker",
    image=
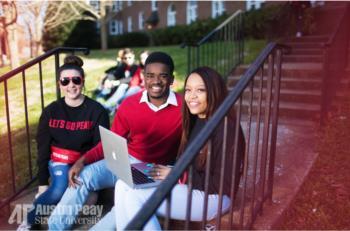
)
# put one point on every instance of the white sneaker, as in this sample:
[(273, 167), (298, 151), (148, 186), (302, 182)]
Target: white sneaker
[(23, 226)]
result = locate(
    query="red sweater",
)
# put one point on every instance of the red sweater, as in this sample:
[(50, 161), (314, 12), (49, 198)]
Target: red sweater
[(152, 136)]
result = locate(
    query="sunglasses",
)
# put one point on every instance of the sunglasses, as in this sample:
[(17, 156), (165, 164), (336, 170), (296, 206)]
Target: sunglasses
[(77, 80)]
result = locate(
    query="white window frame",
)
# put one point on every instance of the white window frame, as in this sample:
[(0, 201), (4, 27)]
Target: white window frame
[(113, 27), (141, 20), (120, 27), (154, 5), (254, 4), (117, 5), (217, 8), (192, 11), (129, 24), (95, 4), (171, 15), (129, 2)]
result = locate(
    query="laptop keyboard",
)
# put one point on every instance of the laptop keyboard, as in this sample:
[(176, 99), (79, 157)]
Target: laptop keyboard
[(139, 177)]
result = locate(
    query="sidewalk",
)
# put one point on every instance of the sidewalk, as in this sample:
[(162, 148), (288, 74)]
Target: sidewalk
[(295, 155)]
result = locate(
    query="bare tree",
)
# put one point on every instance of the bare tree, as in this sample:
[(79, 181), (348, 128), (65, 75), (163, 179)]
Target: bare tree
[(9, 31), (51, 14)]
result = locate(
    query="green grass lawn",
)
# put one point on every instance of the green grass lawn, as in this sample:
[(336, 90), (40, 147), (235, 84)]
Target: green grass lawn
[(94, 65)]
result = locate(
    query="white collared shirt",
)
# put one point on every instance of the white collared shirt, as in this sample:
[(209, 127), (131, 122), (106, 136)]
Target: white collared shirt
[(171, 100)]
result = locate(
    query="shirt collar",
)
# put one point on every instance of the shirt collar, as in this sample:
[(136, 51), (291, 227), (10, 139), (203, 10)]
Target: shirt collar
[(171, 100)]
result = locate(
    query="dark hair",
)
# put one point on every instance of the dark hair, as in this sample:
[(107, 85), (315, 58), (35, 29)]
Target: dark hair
[(161, 57), (72, 62), (216, 92)]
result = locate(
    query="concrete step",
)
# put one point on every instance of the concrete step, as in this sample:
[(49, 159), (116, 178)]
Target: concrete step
[(298, 51), (293, 110), (287, 120), (303, 58), (289, 96), (286, 82), (296, 70), (308, 38), (305, 45), (25, 197)]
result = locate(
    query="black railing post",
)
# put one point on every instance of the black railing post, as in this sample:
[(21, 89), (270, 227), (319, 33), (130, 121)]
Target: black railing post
[(41, 86), (9, 138), (57, 65), (242, 38), (27, 124), (257, 141), (266, 133), (274, 122)]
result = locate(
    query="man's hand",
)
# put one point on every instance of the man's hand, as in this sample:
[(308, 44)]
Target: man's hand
[(74, 172), (41, 190)]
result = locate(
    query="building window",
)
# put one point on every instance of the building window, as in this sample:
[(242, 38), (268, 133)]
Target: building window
[(192, 7), (171, 13), (254, 4), (117, 5), (129, 2), (120, 27), (129, 24), (154, 5), (96, 5), (217, 8), (141, 20), (113, 27)]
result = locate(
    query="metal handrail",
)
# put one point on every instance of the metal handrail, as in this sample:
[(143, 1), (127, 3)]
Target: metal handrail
[(210, 34), (41, 58), (225, 44), (194, 147)]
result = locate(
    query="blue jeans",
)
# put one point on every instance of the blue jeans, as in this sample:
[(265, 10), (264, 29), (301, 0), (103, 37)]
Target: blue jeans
[(93, 177), (118, 95), (59, 184), (131, 91)]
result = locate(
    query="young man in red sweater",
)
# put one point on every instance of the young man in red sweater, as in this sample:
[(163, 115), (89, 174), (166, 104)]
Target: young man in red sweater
[(149, 120)]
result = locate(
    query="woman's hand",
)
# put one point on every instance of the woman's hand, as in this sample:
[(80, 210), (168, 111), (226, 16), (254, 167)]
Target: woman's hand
[(159, 172), (74, 172)]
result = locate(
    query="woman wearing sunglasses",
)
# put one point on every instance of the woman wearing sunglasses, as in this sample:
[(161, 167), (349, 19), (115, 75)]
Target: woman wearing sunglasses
[(205, 90), (67, 128)]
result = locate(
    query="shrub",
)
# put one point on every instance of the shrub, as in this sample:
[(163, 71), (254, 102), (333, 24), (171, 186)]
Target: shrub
[(167, 36), (275, 21), (56, 37), (84, 34), (133, 39)]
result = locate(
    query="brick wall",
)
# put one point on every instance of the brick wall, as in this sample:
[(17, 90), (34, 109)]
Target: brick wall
[(204, 11)]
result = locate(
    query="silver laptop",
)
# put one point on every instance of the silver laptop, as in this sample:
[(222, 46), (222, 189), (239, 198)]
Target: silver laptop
[(116, 154)]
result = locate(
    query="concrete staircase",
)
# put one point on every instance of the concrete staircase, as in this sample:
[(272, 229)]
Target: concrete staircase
[(301, 80), (302, 70)]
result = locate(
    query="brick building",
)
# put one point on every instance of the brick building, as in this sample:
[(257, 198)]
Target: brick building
[(131, 16)]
